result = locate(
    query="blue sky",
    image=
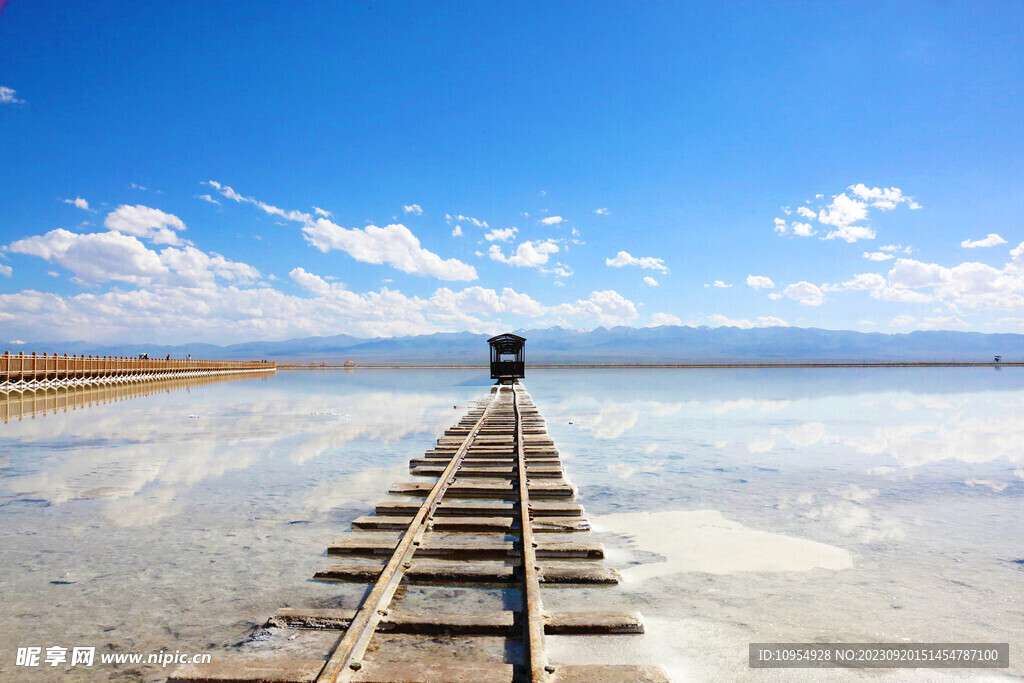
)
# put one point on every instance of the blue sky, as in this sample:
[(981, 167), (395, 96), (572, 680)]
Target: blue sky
[(223, 172)]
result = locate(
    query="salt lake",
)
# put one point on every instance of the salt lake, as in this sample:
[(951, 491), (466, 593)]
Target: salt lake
[(740, 505)]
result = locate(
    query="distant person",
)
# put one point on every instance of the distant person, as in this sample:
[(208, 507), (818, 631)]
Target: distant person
[(168, 356)]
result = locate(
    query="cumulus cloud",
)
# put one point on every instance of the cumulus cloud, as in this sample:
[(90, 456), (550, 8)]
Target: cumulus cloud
[(608, 306), (175, 311), (145, 222), (192, 267), (805, 293), (393, 244), (720, 284), (113, 256), (6, 271), (601, 212), (719, 320), (321, 212), (760, 282), (841, 214), (527, 254), (457, 231), (559, 270), (846, 214), (885, 199), (78, 203), (552, 220), (623, 258), (650, 281), (414, 209), (877, 255), (310, 282), (992, 240), (503, 235), (208, 198), (663, 319), (9, 96), (95, 257)]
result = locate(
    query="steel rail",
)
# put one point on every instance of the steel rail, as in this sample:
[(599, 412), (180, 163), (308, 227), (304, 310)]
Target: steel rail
[(533, 616), (346, 659)]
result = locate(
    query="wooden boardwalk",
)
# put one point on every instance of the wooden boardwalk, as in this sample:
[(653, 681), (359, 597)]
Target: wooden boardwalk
[(493, 509), (22, 371)]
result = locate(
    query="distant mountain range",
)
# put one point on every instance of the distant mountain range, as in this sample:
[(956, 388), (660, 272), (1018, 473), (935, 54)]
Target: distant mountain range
[(669, 344)]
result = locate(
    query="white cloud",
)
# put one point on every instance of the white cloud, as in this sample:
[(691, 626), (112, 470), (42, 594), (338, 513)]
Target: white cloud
[(719, 320), (805, 293), (992, 240), (393, 244), (113, 256), (6, 271), (868, 281), (896, 247), (145, 222), (877, 255), (842, 213), (650, 281), (321, 212), (941, 323), (95, 257), (720, 284), (760, 282), (414, 209), (468, 219), (623, 258), (78, 203), (504, 235), (601, 212), (846, 213), (208, 198), (662, 319), (608, 307), (559, 270), (903, 321), (296, 216), (192, 267), (309, 281), (552, 220), (527, 254), (9, 96), (885, 199), (457, 231)]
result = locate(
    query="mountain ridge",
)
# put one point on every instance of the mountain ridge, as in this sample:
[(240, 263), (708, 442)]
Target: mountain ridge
[(616, 345)]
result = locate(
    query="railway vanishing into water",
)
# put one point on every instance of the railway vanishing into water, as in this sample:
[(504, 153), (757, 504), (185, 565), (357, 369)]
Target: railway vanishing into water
[(491, 508)]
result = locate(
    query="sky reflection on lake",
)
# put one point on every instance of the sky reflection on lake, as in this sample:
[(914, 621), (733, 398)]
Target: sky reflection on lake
[(740, 505)]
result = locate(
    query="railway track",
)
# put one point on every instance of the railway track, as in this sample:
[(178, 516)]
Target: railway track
[(492, 510)]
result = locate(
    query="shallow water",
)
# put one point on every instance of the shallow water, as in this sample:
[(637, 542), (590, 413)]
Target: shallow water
[(858, 505)]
